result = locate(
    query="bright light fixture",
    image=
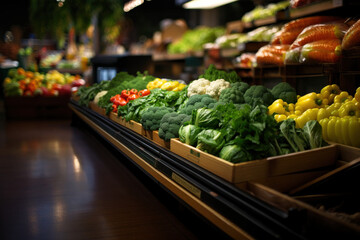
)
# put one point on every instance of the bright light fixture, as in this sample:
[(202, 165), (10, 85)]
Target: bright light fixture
[(206, 4)]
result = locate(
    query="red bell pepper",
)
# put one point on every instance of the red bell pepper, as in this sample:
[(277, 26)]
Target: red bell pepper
[(122, 102), (133, 97), (112, 99), (125, 93), (114, 106), (133, 91), (144, 92)]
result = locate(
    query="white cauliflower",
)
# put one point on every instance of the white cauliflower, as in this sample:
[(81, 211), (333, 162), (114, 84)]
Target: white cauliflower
[(216, 87), (198, 87), (98, 96)]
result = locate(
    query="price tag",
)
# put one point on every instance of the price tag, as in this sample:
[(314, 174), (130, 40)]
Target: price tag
[(337, 3)]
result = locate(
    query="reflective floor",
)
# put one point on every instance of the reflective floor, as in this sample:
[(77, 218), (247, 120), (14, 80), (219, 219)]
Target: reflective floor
[(58, 181)]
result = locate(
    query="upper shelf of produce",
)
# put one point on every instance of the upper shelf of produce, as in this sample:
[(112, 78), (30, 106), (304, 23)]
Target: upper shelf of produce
[(316, 7), (272, 15)]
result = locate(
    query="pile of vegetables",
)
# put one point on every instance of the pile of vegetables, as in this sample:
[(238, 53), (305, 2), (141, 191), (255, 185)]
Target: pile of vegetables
[(27, 83), (107, 89), (315, 39), (337, 111), (217, 113), (246, 133), (260, 34), (261, 12), (194, 40), (126, 96)]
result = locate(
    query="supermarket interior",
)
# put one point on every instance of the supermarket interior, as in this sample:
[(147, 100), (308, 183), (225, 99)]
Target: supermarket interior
[(179, 119)]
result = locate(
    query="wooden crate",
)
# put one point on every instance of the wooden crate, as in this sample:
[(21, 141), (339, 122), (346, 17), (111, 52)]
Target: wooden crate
[(257, 169), (93, 106), (135, 126), (118, 119), (148, 134), (156, 139), (286, 196)]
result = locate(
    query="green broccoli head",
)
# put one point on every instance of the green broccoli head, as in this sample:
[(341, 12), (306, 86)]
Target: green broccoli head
[(198, 101), (170, 125), (285, 92), (258, 94), (232, 94), (151, 119), (241, 86)]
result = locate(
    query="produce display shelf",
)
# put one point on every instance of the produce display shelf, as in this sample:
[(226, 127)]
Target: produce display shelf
[(234, 211), (318, 7)]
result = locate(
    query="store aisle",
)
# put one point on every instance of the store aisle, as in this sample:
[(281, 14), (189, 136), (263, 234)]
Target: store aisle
[(61, 182)]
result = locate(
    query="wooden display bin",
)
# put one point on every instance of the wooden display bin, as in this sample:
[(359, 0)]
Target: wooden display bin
[(135, 126), (120, 120), (238, 173), (93, 106), (160, 141), (328, 200)]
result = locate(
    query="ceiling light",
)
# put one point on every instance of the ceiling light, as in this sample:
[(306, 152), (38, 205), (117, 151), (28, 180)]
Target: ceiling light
[(206, 4), (132, 4)]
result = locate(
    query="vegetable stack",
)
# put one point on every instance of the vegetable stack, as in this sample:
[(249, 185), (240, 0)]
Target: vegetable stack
[(337, 111)]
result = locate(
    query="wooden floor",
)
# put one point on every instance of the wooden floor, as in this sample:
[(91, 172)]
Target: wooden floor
[(58, 181)]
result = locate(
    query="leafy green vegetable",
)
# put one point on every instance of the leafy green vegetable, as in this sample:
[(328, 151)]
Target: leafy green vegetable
[(193, 40), (170, 125), (88, 94), (205, 118), (234, 153), (313, 134), (250, 128), (290, 139), (212, 74), (189, 134), (285, 92), (210, 141), (287, 128)]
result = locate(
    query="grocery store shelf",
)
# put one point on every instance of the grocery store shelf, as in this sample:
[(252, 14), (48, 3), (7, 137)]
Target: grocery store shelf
[(315, 7), (235, 212)]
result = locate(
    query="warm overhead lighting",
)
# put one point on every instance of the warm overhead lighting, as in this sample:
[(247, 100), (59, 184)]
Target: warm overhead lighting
[(206, 4), (132, 4)]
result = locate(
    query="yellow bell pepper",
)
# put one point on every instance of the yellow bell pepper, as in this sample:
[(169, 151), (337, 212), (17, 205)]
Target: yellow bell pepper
[(330, 130), (310, 114), (293, 116), (330, 91), (357, 94), (280, 117), (278, 106), (324, 122), (169, 85), (342, 97), (281, 107), (311, 100), (342, 130), (179, 87), (157, 83), (333, 109), (322, 113), (353, 130), (349, 109), (345, 129)]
